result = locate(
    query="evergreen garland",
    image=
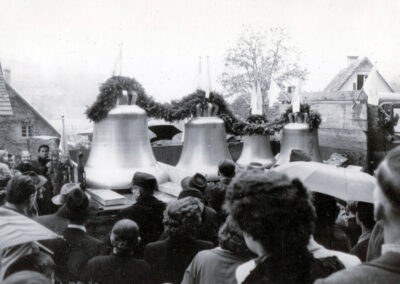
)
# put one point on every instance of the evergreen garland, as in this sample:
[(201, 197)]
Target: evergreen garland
[(186, 108), (314, 118)]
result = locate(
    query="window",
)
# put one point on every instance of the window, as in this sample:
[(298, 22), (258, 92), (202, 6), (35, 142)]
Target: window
[(27, 131), (360, 81)]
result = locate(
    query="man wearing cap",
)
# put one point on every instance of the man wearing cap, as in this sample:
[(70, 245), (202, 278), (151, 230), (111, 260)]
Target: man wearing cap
[(148, 211), (58, 221), (72, 255), (20, 197), (216, 194), (208, 230)]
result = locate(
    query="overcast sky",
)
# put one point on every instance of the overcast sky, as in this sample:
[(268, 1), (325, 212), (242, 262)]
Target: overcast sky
[(70, 47)]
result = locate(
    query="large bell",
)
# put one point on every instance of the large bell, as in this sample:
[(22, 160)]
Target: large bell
[(204, 146), (297, 135), (256, 148), (121, 147)]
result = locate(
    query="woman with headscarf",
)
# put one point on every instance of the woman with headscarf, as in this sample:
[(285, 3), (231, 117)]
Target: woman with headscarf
[(169, 258), (121, 266)]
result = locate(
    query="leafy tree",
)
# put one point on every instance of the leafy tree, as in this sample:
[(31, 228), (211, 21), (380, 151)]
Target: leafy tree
[(241, 106), (259, 57)]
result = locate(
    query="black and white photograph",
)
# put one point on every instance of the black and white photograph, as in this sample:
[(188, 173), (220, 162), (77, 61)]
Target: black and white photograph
[(199, 141)]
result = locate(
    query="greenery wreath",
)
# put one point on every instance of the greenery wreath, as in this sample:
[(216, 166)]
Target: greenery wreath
[(314, 118), (187, 107)]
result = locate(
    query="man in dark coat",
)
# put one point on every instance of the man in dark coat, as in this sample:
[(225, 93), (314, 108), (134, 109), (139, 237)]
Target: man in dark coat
[(385, 269), (147, 212), (72, 255), (58, 221), (43, 158), (215, 195)]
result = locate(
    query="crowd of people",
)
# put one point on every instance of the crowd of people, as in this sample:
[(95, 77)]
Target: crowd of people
[(252, 226)]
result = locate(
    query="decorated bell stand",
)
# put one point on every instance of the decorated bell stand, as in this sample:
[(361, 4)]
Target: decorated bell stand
[(297, 134), (121, 147)]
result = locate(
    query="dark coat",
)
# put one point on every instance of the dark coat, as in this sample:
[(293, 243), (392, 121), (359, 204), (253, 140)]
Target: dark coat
[(215, 197), (23, 168), (41, 166), (320, 268), (385, 269), (332, 238), (56, 222), (208, 230), (360, 250), (147, 212), (117, 269), (72, 255), (169, 259)]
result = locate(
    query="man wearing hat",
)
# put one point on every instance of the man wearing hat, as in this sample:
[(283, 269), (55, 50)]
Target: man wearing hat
[(72, 255), (208, 230), (148, 211), (58, 221)]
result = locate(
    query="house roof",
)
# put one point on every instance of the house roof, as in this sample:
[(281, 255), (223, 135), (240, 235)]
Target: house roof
[(363, 64), (11, 89), (5, 104)]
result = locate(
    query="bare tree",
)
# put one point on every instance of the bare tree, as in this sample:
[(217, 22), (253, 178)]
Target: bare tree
[(258, 57)]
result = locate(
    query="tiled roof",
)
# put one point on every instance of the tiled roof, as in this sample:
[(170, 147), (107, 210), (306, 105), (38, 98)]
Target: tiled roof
[(5, 104), (340, 79)]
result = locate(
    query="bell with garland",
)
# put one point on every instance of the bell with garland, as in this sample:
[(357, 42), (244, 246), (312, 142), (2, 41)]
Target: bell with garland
[(297, 135), (121, 147), (204, 145), (256, 148)]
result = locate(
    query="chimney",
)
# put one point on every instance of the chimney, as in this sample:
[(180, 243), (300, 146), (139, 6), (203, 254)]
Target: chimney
[(351, 59), (291, 89), (7, 75)]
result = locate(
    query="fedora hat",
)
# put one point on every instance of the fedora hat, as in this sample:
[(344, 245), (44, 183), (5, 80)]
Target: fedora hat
[(77, 205), (198, 181), (61, 198)]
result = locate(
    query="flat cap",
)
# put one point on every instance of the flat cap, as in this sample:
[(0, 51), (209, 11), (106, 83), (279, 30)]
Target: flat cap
[(145, 180)]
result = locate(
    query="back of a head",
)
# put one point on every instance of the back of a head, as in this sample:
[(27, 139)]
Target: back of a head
[(125, 236), (77, 205), (19, 189), (260, 201), (39, 262), (230, 237), (388, 177), (182, 218), (146, 181), (365, 213), (277, 213), (27, 277), (227, 168), (326, 209)]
